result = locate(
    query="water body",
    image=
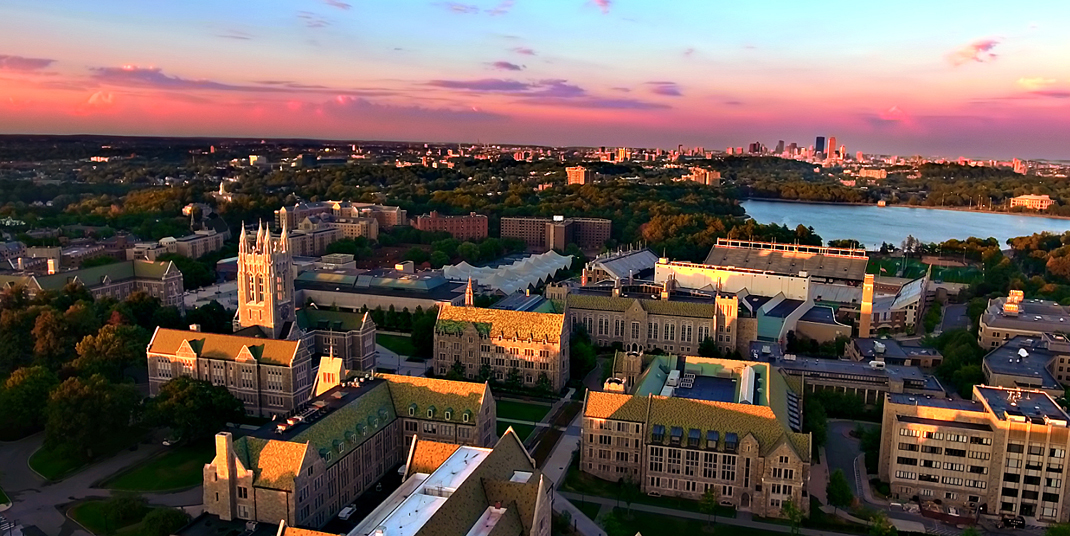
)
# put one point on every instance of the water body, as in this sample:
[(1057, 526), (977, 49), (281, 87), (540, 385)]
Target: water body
[(871, 225)]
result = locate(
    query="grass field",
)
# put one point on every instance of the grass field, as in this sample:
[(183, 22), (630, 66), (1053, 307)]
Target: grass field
[(522, 411), (396, 343), (180, 467), (522, 430), (647, 523), (55, 465), (589, 509), (914, 268), (91, 516)]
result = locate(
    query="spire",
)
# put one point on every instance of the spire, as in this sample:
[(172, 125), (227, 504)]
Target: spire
[(260, 236), (241, 241), (285, 237), (469, 295)]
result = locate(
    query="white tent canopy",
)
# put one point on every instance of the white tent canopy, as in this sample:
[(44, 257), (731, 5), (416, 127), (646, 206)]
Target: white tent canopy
[(516, 277)]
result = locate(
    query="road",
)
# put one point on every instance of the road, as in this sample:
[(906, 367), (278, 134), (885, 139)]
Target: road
[(40, 506)]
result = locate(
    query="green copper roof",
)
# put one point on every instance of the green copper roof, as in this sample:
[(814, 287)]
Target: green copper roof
[(350, 425), (310, 317)]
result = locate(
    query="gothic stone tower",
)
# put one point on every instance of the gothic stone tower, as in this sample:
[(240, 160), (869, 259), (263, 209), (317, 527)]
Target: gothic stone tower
[(265, 284)]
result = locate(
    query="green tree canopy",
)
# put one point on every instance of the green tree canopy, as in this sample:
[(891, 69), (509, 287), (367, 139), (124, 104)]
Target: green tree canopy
[(194, 409), (22, 398), (82, 414), (839, 490)]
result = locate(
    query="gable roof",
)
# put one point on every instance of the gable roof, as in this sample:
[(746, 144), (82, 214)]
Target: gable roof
[(601, 405), (219, 346), (655, 307), (500, 322), (309, 318), (351, 425), (428, 455), (440, 394), (275, 463)]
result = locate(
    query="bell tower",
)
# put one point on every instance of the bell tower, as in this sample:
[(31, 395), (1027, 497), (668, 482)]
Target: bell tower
[(265, 283)]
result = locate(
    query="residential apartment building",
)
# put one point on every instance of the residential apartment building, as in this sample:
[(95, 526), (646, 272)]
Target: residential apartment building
[(314, 242), (701, 436), (534, 344), (1005, 318), (470, 227), (118, 280), (578, 175), (1004, 452), (704, 176), (305, 469), (1032, 202), (590, 234)]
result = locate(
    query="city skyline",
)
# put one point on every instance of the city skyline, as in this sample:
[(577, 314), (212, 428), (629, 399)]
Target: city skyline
[(574, 72)]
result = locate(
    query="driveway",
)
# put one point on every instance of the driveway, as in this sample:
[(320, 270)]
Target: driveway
[(40, 506)]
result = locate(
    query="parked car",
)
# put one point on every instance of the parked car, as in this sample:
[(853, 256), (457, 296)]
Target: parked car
[(346, 513)]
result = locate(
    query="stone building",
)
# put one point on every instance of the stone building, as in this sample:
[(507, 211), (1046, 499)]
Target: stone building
[(348, 336), (698, 434), (304, 469), (470, 227), (118, 280), (1005, 318), (534, 344), (1004, 452), (386, 216)]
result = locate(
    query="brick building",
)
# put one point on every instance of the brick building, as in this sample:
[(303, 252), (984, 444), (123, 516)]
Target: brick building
[(590, 234), (534, 344), (578, 175), (305, 469), (470, 227)]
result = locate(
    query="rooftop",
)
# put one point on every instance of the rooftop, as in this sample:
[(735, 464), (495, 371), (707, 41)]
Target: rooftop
[(382, 282), (600, 298), (1026, 358), (1017, 404), (956, 404), (524, 302), (220, 346), (311, 318), (1034, 315), (620, 265), (788, 259), (914, 377), (784, 308), (502, 323)]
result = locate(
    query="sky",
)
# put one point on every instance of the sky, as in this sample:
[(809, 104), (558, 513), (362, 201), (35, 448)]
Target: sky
[(982, 79)]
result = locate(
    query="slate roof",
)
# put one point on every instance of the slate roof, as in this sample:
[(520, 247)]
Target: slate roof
[(309, 318), (495, 322), (351, 425), (600, 405), (91, 277), (428, 456), (424, 393), (654, 307), (220, 346), (275, 463)]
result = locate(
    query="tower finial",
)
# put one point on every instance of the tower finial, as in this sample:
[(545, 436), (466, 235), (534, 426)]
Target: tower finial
[(469, 294)]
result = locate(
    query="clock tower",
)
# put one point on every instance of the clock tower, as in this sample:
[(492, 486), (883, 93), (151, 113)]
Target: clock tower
[(265, 284)]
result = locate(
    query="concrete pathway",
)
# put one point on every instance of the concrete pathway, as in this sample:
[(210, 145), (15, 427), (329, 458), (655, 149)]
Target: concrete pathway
[(555, 468), (40, 506), (389, 359)]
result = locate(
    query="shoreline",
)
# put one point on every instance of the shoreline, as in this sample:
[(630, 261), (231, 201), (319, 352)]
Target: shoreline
[(874, 205)]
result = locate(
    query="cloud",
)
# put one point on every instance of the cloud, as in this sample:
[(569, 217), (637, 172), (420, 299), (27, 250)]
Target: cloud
[(604, 5), (289, 84), (464, 9), (979, 51), (598, 103), (558, 89), (501, 9), (21, 63), (1036, 83), (1052, 93), (360, 108), (100, 99), (688, 52), (668, 89), (235, 34), (154, 78), (621, 89), (506, 66), (891, 118), (524, 50), (338, 4), (312, 20), (494, 85)]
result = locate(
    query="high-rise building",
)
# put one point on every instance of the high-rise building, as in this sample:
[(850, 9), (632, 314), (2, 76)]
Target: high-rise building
[(831, 153), (779, 147), (578, 175), (819, 145)]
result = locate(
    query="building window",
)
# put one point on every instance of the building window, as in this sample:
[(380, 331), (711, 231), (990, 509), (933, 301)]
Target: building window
[(243, 492)]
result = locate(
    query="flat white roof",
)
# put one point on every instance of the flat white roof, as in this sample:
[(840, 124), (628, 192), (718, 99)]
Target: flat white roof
[(406, 510), (487, 521)]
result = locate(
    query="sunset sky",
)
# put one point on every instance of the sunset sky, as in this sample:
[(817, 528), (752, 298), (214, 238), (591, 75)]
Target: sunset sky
[(946, 77)]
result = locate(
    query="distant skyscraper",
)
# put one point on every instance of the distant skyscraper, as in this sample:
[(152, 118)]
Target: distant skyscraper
[(858, 156), (793, 148), (831, 153), (755, 147), (779, 147), (819, 145)]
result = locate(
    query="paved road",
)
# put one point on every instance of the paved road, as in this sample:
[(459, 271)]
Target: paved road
[(40, 506), (388, 359), (955, 318), (556, 467)]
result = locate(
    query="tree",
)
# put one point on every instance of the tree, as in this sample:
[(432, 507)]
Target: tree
[(971, 531), (794, 515), (613, 526), (838, 490), (111, 350), (212, 317), (708, 348), (709, 502), (51, 342), (164, 522), (194, 409), (629, 492), (423, 333), (82, 414), (544, 384), (512, 380), (1058, 529), (468, 251), (122, 510), (417, 255), (439, 259), (23, 399), (881, 525), (815, 420), (485, 373), (456, 372)]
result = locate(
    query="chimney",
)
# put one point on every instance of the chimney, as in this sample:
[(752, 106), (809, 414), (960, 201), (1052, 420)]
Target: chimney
[(226, 479), (865, 315), (21, 263), (195, 327), (53, 266)]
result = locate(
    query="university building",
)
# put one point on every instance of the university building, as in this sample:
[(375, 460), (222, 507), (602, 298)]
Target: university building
[(303, 470), (1006, 318), (1003, 452), (590, 234), (118, 280), (470, 227), (691, 424), (386, 216), (534, 344)]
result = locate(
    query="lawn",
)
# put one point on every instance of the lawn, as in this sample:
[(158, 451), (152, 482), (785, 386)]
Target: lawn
[(522, 411), (55, 465), (522, 430), (91, 516), (914, 269), (180, 467), (396, 343), (647, 523), (589, 509)]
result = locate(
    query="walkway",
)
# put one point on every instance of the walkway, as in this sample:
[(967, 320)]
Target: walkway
[(40, 506), (388, 359)]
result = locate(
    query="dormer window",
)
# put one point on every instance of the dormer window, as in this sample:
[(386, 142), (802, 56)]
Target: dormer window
[(731, 442), (693, 436), (412, 410), (676, 436), (658, 433), (448, 414), (431, 412), (712, 437), (467, 416)]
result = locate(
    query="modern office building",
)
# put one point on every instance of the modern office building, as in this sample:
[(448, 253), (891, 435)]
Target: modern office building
[(831, 153), (578, 175), (461, 489), (892, 352), (353, 289), (590, 234), (819, 145), (1005, 318), (118, 280), (470, 227), (304, 469), (710, 423), (533, 345), (1032, 202), (1003, 452)]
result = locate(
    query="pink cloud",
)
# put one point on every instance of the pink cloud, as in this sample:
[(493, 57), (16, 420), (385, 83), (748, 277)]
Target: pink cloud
[(979, 51), (668, 89), (494, 85), (100, 99), (501, 9), (338, 4), (506, 66), (604, 5), (312, 20), (21, 63), (524, 50), (1035, 83), (456, 7), (688, 52)]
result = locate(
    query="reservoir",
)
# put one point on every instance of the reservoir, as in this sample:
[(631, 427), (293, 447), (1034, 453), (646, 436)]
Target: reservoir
[(871, 225)]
